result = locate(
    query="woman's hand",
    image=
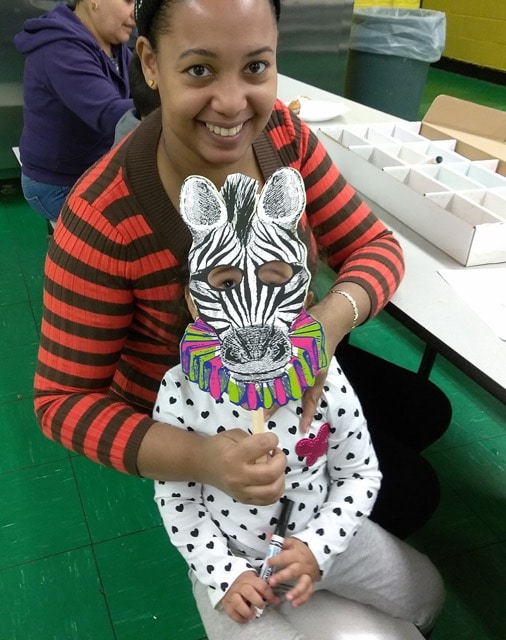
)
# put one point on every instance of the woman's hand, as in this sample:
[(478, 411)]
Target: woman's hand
[(332, 338), (295, 563), (229, 461), (310, 401), (336, 315), (247, 591)]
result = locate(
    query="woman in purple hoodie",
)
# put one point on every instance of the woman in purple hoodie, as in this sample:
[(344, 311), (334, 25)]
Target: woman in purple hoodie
[(75, 91)]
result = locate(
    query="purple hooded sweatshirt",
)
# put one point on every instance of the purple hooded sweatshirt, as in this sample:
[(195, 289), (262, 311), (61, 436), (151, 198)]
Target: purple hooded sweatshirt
[(73, 97)]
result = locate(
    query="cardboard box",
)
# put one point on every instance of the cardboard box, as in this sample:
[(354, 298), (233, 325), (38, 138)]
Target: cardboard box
[(456, 201), (480, 131)]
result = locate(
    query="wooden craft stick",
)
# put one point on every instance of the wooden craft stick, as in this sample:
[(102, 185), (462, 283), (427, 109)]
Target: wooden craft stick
[(257, 419), (258, 426)]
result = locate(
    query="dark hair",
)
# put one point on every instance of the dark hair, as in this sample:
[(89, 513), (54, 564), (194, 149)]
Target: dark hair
[(148, 12), (145, 99)]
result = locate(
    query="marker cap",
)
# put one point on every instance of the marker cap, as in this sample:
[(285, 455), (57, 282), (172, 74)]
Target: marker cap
[(284, 517)]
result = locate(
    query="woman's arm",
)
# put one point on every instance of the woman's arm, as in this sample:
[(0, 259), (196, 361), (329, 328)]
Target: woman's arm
[(365, 255), (78, 77), (354, 242), (226, 461), (109, 331)]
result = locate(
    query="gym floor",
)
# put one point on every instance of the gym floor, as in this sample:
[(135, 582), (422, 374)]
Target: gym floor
[(83, 555)]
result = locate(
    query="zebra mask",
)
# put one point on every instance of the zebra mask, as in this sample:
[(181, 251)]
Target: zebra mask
[(252, 339)]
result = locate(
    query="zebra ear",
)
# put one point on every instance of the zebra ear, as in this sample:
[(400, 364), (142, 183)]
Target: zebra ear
[(283, 198), (201, 205)]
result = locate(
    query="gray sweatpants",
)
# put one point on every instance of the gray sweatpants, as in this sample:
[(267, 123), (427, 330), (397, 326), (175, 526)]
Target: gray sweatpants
[(377, 569)]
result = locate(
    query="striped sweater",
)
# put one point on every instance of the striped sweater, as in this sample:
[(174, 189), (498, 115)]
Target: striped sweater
[(113, 307)]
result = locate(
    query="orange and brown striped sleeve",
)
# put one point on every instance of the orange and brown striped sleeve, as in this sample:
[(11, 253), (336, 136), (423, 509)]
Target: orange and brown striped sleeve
[(109, 329)]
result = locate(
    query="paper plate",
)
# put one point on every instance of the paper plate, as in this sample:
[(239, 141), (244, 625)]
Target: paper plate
[(319, 110)]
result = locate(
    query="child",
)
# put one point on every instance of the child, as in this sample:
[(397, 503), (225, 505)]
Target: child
[(146, 99), (253, 347)]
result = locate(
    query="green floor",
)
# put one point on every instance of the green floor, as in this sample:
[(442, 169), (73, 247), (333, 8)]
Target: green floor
[(452, 84), (82, 552)]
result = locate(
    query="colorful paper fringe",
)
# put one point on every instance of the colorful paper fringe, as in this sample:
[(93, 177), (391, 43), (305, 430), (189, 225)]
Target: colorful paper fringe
[(201, 362)]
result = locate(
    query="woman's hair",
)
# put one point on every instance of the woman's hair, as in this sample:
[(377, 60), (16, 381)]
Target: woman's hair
[(151, 17), (145, 99)]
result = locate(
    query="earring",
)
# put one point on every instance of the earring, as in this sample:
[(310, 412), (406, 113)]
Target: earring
[(152, 84)]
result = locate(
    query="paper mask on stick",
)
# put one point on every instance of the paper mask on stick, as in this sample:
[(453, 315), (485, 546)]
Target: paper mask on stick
[(249, 280)]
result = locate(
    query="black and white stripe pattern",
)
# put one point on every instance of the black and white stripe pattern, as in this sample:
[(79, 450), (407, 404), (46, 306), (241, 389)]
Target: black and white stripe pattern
[(236, 228)]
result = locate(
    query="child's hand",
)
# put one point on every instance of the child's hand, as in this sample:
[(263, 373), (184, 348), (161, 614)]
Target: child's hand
[(247, 591), (295, 563)]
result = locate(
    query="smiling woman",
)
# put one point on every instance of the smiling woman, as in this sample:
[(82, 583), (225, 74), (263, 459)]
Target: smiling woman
[(75, 89), (219, 93), (114, 282)]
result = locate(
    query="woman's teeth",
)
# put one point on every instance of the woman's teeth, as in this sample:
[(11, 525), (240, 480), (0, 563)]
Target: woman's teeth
[(226, 133)]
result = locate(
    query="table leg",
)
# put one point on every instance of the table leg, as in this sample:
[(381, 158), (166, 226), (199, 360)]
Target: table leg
[(429, 355)]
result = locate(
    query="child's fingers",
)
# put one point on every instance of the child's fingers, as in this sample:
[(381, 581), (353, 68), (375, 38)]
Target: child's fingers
[(238, 609), (286, 574), (301, 592), (297, 557)]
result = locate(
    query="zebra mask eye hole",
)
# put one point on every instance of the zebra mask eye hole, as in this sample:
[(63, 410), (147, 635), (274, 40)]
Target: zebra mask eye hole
[(275, 273), (224, 277), (270, 273)]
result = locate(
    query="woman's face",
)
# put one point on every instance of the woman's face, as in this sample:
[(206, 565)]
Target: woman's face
[(216, 72), (114, 20)]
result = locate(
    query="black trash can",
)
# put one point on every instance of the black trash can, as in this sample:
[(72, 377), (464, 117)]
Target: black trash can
[(389, 55)]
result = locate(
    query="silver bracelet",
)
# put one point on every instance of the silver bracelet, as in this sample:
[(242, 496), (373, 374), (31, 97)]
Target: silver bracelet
[(353, 303)]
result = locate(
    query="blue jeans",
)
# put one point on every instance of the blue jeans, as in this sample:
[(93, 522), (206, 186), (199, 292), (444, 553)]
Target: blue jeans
[(46, 199)]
